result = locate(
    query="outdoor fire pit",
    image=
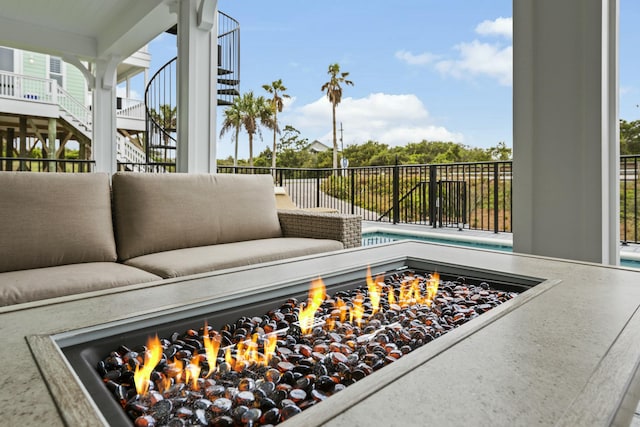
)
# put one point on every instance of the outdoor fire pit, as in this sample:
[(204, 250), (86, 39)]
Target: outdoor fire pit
[(262, 363), (562, 352)]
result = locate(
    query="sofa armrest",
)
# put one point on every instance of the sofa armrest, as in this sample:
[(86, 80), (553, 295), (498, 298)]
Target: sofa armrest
[(342, 227)]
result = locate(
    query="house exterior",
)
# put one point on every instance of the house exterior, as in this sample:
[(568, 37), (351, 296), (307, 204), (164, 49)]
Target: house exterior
[(45, 108), (317, 147)]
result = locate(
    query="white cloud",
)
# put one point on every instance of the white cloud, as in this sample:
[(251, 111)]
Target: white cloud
[(498, 27), (477, 58), (626, 89), (411, 59), (389, 119)]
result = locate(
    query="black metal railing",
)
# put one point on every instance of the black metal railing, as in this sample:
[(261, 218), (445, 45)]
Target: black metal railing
[(146, 168), (460, 195), (476, 196), (630, 198), (161, 112), (160, 97), (29, 164)]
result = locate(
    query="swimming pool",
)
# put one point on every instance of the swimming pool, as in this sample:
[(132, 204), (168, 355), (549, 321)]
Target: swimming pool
[(381, 237)]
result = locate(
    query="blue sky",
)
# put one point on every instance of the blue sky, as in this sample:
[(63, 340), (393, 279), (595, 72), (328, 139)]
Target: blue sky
[(422, 69)]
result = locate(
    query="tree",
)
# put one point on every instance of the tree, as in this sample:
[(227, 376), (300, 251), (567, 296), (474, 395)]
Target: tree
[(167, 120), (500, 152), (255, 112), (334, 93), (276, 105), (629, 137), (292, 149), (291, 139), (233, 120)]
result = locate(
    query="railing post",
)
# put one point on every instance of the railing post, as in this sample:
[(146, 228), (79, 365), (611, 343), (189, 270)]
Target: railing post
[(433, 195), (423, 201), (352, 174), (10, 137), (464, 203), (317, 188), (396, 193), (623, 197), (54, 91), (496, 203)]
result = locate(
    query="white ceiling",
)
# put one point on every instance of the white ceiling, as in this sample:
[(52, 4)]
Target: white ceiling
[(85, 29)]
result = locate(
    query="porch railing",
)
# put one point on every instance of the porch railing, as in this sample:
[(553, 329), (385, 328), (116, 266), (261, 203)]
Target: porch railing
[(476, 196), (131, 108), (630, 198), (28, 164), (35, 89), (457, 195)]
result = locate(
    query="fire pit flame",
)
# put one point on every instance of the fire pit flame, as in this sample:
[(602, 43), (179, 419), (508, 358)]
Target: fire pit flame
[(192, 372), (375, 290), (306, 315), (247, 351), (357, 310), (315, 347), (142, 376), (211, 346)]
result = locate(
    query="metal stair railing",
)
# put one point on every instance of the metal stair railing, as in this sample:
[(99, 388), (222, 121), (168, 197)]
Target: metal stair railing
[(161, 100), (415, 209), (160, 103)]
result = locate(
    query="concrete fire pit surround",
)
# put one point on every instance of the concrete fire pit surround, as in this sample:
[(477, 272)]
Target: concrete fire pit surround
[(565, 352)]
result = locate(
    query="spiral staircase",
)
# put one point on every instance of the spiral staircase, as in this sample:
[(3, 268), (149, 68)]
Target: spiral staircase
[(161, 100)]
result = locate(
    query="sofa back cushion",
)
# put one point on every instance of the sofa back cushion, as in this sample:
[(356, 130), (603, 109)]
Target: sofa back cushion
[(162, 212), (50, 219)]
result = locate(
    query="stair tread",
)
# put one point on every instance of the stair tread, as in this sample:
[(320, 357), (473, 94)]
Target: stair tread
[(228, 92)]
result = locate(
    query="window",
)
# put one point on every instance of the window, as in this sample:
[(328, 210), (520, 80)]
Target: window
[(6, 59), (55, 69)]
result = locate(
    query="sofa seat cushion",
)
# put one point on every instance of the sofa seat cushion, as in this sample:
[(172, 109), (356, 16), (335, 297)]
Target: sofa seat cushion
[(203, 259), (41, 283), (163, 212)]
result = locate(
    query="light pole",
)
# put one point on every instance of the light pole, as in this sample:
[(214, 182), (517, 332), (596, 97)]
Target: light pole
[(345, 162)]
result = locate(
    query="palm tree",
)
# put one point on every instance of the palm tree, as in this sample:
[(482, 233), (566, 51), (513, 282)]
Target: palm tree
[(255, 112), (233, 120), (334, 93), (166, 119), (276, 104)]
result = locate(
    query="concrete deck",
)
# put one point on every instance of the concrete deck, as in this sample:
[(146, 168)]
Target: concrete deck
[(563, 353)]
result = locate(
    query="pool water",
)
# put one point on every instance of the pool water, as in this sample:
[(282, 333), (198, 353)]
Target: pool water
[(378, 238)]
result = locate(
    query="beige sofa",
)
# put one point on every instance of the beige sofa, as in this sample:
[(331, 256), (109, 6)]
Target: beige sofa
[(63, 234)]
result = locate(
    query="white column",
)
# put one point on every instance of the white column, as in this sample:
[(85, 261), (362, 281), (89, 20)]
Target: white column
[(104, 116), (51, 138), (197, 74), (566, 148)]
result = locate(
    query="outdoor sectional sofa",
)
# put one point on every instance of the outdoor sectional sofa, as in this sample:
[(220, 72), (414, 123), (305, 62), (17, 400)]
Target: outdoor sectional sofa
[(63, 234)]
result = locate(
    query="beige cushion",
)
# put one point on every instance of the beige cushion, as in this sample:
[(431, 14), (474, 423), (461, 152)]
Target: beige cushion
[(209, 258), (49, 219), (163, 212), (41, 283)]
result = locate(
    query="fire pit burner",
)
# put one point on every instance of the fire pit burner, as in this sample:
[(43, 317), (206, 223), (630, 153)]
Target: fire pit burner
[(264, 369)]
